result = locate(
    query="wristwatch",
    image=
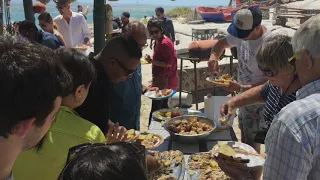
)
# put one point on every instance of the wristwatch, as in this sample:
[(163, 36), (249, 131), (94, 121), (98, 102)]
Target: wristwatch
[(241, 88)]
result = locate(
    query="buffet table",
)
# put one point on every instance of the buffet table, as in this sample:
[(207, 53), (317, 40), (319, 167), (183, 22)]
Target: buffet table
[(188, 149)]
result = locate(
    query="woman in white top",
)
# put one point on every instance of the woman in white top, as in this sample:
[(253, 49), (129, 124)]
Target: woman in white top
[(46, 23)]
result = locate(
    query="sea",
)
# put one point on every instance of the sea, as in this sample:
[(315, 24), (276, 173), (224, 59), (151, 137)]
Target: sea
[(136, 11)]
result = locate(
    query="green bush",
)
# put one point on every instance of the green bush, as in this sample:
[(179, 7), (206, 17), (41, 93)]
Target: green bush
[(179, 12)]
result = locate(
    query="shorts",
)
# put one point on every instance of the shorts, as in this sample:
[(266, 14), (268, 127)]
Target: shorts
[(250, 118)]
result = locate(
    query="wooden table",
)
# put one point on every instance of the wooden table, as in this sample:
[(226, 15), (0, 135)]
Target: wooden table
[(188, 149)]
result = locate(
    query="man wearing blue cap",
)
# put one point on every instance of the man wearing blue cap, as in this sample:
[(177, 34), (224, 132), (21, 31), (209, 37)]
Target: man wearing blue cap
[(247, 34)]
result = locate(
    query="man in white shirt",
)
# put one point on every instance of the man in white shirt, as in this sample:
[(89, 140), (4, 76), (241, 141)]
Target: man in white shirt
[(72, 25), (247, 34)]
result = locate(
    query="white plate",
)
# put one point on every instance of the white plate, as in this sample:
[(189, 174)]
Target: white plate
[(216, 83), (152, 95), (255, 161)]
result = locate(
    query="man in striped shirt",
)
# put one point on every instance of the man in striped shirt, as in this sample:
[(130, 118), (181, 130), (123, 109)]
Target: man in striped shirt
[(293, 140)]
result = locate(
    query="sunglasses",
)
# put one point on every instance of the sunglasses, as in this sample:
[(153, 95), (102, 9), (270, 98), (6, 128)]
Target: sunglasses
[(268, 72), (154, 32), (137, 150), (129, 72)]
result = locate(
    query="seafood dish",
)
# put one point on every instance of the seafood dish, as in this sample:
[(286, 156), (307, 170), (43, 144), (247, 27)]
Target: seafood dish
[(223, 80), (149, 141), (172, 166), (191, 127), (164, 92)]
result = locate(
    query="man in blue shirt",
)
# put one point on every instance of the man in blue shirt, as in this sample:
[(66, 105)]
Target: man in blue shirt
[(167, 24), (29, 30)]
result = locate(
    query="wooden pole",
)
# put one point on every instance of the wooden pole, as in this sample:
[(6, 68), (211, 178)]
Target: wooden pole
[(99, 17), (1, 17)]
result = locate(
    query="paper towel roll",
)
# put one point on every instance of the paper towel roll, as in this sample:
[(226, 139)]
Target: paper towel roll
[(186, 100), (209, 107)]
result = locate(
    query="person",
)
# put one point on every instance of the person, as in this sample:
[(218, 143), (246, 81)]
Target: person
[(280, 90), (116, 23), (32, 84), (30, 32), (167, 24), (68, 129), (85, 13), (16, 28), (145, 20), (126, 95), (247, 34), (73, 26), (123, 161), (164, 63), (46, 23), (292, 150), (117, 62), (125, 19)]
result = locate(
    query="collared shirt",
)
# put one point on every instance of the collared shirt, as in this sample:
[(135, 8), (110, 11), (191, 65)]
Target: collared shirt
[(169, 28), (49, 40), (67, 130), (96, 107), (126, 101), (74, 32), (293, 140)]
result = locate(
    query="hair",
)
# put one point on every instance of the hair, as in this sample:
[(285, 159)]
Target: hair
[(136, 29), (307, 37), (274, 53), (31, 79), (105, 162), (45, 17), (154, 22), (126, 44), (160, 9), (78, 65), (27, 25)]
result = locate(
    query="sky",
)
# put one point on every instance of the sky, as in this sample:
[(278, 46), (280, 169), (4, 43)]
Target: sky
[(157, 2)]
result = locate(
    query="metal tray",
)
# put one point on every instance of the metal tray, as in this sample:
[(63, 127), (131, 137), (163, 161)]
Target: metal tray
[(190, 138), (178, 172)]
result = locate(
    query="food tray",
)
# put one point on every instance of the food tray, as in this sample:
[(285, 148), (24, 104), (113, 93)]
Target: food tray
[(190, 138), (178, 172)]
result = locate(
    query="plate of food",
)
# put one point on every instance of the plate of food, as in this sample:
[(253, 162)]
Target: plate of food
[(161, 94), (190, 128), (222, 81), (172, 166), (167, 114), (149, 141), (81, 47), (203, 166), (238, 152)]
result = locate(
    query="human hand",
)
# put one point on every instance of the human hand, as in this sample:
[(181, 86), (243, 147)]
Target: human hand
[(226, 109), (238, 170), (116, 133), (213, 64), (148, 58), (233, 86), (153, 89)]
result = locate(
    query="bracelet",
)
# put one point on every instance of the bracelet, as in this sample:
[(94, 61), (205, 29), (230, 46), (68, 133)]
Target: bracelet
[(241, 88)]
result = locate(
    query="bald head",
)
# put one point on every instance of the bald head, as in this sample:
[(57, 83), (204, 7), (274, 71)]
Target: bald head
[(138, 31)]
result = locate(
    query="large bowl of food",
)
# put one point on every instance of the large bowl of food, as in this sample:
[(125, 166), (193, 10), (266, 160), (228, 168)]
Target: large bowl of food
[(190, 128)]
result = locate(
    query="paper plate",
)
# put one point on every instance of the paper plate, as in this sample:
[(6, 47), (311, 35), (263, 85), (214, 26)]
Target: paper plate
[(217, 83), (243, 151), (152, 95)]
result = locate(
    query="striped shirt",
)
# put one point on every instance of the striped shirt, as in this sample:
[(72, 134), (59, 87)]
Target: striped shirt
[(274, 101), (293, 140)]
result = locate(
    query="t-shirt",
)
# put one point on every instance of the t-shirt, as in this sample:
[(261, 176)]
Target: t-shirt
[(248, 71), (96, 107), (164, 52), (68, 130), (274, 102), (49, 40)]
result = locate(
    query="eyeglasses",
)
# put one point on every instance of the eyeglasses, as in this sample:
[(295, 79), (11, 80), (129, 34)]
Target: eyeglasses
[(268, 72), (129, 72), (137, 150), (154, 32)]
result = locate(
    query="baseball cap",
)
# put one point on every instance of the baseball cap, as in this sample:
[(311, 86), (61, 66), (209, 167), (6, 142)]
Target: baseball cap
[(244, 22), (126, 14)]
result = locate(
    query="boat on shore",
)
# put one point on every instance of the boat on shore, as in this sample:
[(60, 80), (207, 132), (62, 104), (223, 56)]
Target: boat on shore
[(219, 14)]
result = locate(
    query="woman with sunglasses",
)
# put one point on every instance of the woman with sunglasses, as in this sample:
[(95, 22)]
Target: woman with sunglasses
[(273, 59), (68, 129), (46, 23), (164, 63), (125, 161)]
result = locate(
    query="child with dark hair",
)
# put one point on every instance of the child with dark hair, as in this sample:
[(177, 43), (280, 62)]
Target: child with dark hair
[(68, 129), (119, 161)]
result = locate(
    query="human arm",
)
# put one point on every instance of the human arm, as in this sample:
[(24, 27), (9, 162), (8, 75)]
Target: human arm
[(171, 30), (249, 97), (86, 12), (217, 50), (85, 30), (236, 87), (50, 43)]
